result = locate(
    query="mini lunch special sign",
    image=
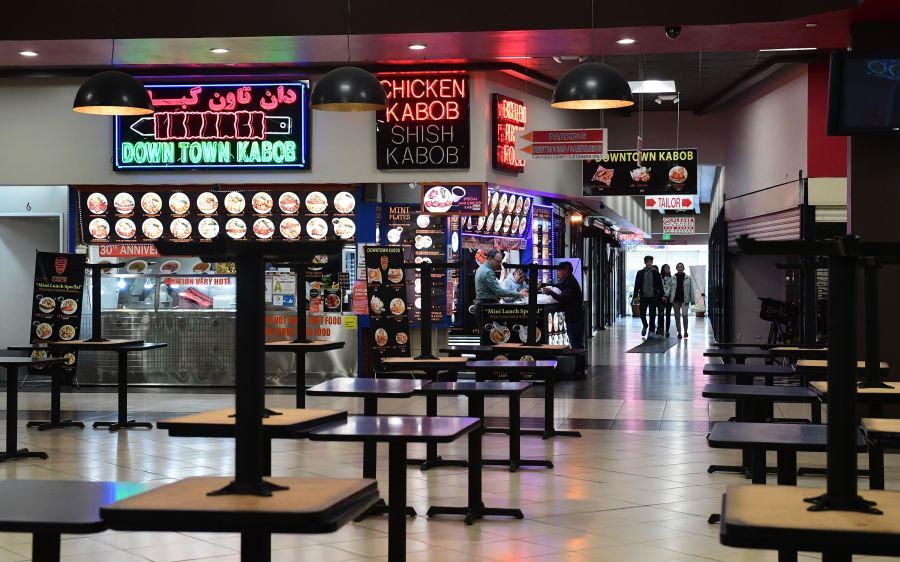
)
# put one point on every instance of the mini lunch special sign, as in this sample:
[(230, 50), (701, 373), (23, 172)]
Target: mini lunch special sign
[(56, 305), (667, 171), (217, 126)]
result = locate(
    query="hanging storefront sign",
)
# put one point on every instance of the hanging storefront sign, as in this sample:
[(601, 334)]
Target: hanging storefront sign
[(630, 240), (508, 118), (426, 123), (564, 144), (679, 225), (652, 172), (217, 126), (669, 203), (299, 213), (386, 290), (466, 199), (56, 304), (508, 215)]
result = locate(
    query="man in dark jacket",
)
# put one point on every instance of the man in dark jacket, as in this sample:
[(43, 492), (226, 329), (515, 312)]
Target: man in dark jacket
[(648, 286), (573, 305)]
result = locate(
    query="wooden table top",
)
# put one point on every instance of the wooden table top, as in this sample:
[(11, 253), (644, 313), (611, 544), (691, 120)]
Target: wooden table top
[(756, 345), (59, 506), (879, 394), (540, 365), (361, 387), (772, 517), (84, 345), (487, 388), (729, 352), (822, 365), (413, 429), (7, 362), (881, 425), (520, 346), (310, 505), (311, 347), (773, 436), (748, 370), (759, 392), (797, 351), (293, 422)]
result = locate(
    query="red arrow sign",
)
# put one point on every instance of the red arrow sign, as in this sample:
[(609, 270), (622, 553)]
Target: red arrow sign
[(668, 202), (566, 135), (651, 202)]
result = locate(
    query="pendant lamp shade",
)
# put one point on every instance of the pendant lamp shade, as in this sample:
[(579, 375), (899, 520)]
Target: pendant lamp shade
[(112, 93), (592, 85), (348, 88)]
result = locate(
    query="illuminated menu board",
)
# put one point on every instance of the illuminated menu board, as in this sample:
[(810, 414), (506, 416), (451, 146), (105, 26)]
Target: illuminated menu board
[(426, 123), (199, 214), (508, 215), (219, 126), (508, 118)]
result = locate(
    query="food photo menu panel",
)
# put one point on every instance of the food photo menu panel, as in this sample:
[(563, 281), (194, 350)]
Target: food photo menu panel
[(423, 238), (56, 304), (386, 292), (507, 215), (197, 214)]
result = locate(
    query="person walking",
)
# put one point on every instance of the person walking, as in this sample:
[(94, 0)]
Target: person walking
[(680, 292), (648, 286), (571, 298), (664, 307)]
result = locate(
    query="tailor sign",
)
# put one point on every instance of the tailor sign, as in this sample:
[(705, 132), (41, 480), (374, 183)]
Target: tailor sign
[(669, 202), (217, 126), (426, 123)]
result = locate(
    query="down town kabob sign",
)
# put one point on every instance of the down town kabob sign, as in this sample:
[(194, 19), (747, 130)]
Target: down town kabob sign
[(426, 123), (204, 126)]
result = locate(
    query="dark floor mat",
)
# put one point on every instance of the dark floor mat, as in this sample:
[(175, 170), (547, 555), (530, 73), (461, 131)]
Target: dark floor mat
[(655, 345)]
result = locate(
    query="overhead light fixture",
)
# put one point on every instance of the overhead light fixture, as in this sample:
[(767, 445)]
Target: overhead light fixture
[(28, 53), (112, 93), (348, 88), (560, 59), (658, 100), (787, 49), (652, 86), (625, 41), (674, 98), (417, 46), (218, 51), (812, 24), (576, 218)]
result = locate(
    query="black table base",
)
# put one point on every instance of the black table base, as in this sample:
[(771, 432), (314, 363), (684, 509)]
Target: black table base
[(45, 425), (472, 514), (381, 508), (261, 488), (117, 425), (55, 421), (21, 454), (12, 408), (432, 458), (122, 422)]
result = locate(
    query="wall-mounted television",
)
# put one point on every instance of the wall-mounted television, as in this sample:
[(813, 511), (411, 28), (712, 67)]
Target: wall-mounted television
[(864, 93)]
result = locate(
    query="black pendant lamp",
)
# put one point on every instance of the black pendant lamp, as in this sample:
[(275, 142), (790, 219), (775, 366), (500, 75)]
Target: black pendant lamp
[(112, 93), (348, 88), (592, 85)]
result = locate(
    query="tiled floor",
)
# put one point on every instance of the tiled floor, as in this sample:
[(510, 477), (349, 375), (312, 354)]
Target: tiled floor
[(615, 495)]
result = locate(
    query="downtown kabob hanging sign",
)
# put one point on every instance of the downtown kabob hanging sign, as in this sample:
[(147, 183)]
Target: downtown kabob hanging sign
[(426, 123)]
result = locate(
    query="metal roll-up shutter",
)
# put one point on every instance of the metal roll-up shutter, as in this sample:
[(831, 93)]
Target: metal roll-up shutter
[(783, 225)]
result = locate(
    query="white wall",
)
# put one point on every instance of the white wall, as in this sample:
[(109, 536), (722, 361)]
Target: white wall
[(37, 200)]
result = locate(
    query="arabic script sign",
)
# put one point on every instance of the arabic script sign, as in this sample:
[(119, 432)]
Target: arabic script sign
[(217, 126)]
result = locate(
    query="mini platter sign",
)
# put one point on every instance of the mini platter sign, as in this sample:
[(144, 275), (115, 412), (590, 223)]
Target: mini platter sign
[(217, 126)]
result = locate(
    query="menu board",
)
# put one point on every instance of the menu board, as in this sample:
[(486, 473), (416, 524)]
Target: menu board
[(426, 123), (386, 292), (542, 238), (212, 126), (509, 323), (56, 305), (454, 199), (667, 171), (202, 214), (423, 238), (508, 215)]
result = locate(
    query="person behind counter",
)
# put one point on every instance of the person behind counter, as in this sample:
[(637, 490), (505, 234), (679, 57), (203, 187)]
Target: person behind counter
[(573, 305), (515, 281), (487, 288)]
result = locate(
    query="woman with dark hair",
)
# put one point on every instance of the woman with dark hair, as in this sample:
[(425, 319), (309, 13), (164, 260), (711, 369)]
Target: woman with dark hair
[(665, 303)]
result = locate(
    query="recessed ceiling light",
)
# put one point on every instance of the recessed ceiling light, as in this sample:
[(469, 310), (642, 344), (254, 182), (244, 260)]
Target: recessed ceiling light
[(28, 53), (812, 24), (417, 46), (218, 51), (652, 86), (787, 49), (625, 41)]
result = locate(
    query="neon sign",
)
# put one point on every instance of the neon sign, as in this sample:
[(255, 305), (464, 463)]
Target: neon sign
[(508, 118), (215, 126), (426, 123)]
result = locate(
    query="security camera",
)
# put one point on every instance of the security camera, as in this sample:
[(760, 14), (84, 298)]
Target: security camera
[(673, 31)]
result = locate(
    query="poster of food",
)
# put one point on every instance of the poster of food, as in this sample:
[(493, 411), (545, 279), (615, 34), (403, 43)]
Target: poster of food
[(507, 214), (56, 304), (203, 214), (386, 292), (667, 171), (423, 239), (454, 199), (508, 323)]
